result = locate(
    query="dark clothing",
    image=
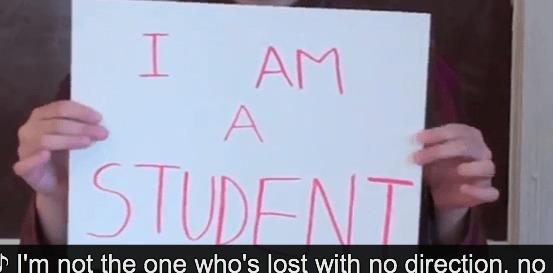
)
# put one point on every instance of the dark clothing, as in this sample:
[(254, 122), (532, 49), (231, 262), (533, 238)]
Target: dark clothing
[(443, 107)]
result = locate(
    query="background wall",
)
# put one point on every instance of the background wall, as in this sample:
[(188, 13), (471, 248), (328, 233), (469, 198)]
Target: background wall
[(488, 106), (34, 39), (34, 56)]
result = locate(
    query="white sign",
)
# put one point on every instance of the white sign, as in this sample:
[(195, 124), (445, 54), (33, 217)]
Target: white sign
[(236, 124)]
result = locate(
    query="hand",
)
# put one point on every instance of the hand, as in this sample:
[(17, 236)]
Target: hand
[(46, 137), (457, 166), (44, 140)]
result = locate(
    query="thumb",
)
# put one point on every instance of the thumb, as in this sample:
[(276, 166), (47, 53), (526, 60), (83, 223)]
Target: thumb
[(29, 168)]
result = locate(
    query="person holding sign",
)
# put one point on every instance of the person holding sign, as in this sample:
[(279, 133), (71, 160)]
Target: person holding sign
[(457, 163)]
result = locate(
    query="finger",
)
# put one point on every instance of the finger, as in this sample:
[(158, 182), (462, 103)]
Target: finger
[(68, 110), (75, 128), (24, 168), (450, 149), (480, 194), (482, 169), (443, 133), (60, 142)]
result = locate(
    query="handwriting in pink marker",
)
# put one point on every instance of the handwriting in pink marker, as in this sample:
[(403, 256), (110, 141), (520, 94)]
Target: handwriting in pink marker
[(216, 219), (225, 186), (154, 55), (272, 58)]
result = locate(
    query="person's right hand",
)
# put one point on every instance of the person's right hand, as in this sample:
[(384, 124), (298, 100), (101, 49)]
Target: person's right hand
[(44, 140)]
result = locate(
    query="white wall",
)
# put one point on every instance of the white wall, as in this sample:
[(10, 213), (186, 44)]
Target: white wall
[(531, 208)]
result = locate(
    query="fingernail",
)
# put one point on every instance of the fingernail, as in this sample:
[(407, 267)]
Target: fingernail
[(104, 133), (97, 116), (99, 133)]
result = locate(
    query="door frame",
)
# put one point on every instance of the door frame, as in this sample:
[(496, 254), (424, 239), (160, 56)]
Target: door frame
[(531, 147)]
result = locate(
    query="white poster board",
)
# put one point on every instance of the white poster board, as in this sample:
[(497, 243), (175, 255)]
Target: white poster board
[(335, 104)]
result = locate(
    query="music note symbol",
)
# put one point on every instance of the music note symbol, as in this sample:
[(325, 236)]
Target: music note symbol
[(2, 259)]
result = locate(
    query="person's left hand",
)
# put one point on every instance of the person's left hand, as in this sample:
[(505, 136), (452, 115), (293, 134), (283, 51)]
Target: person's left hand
[(457, 165)]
